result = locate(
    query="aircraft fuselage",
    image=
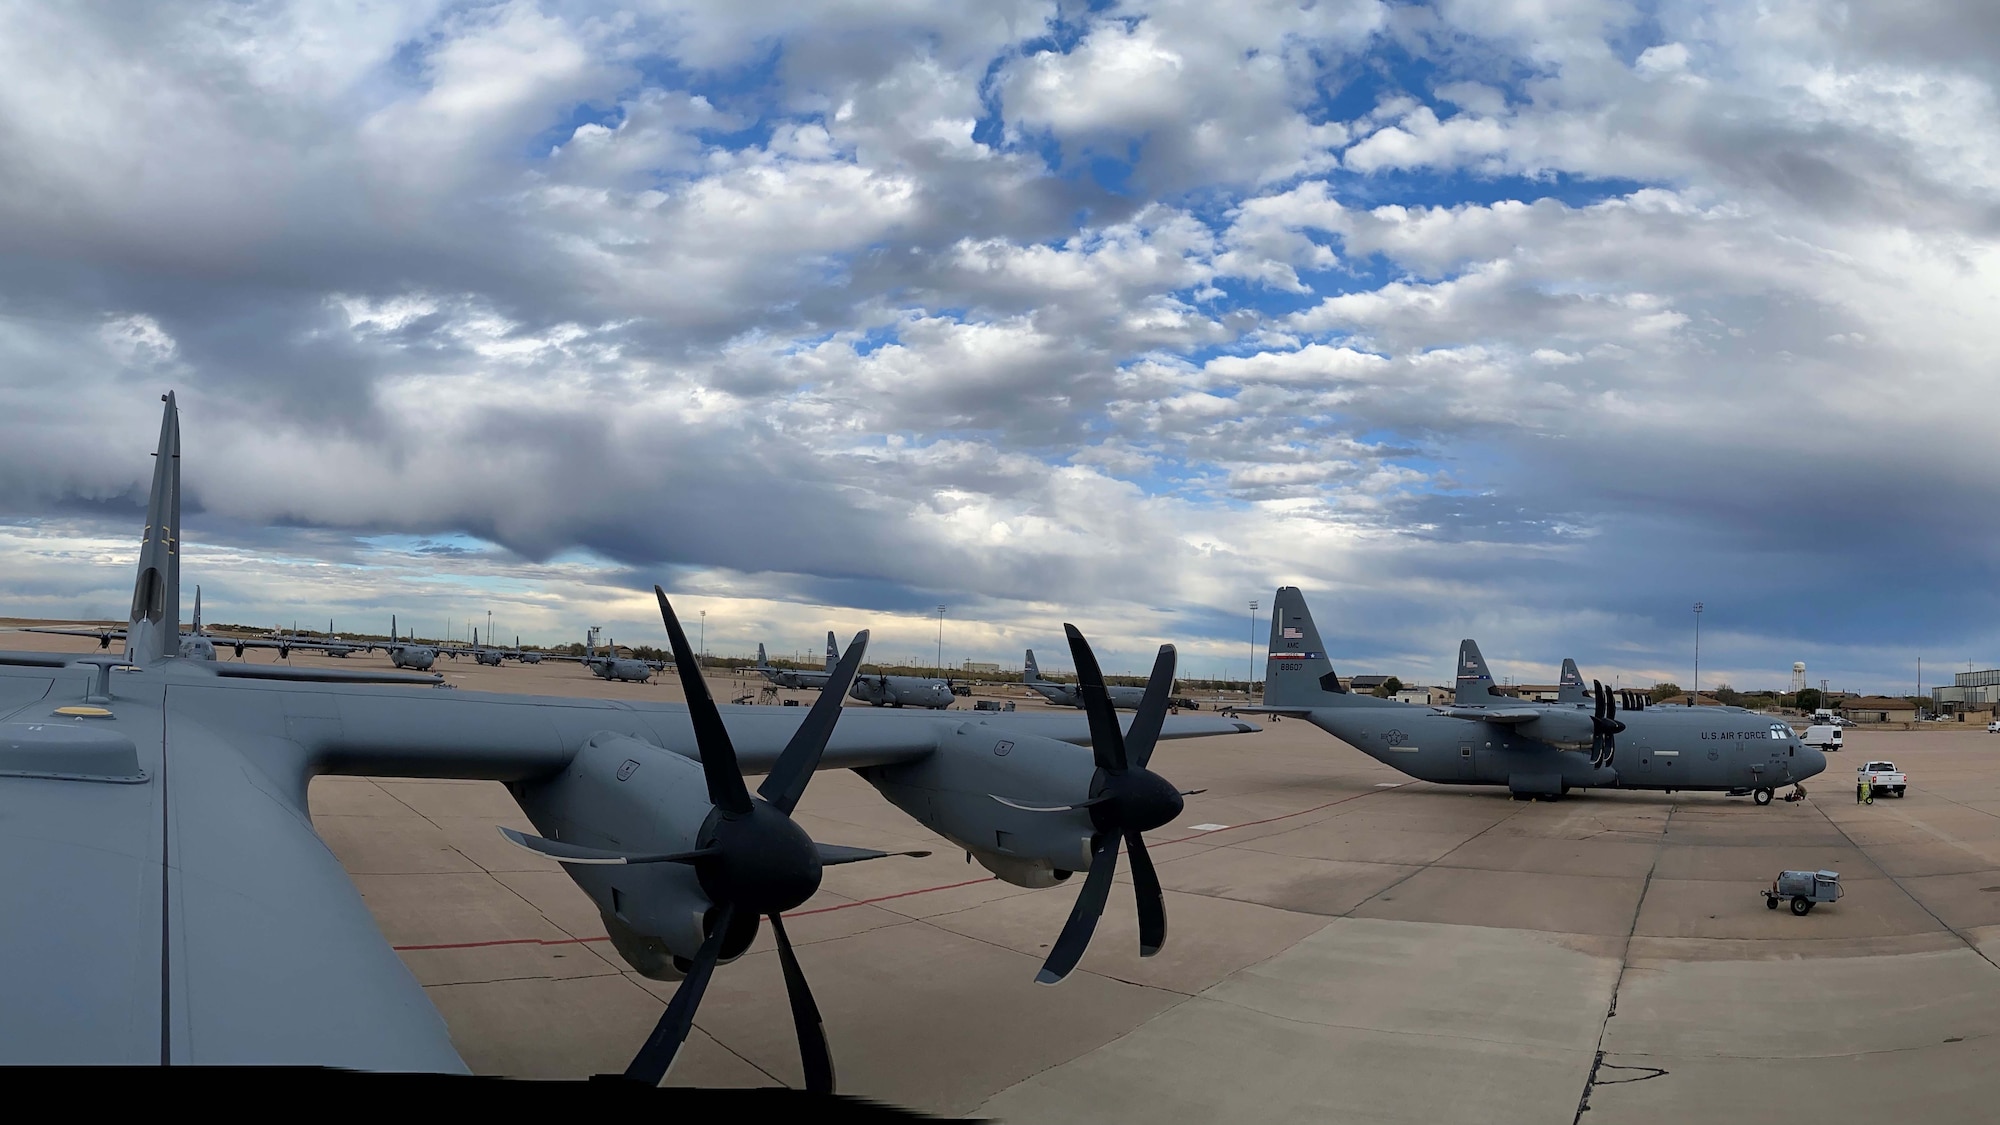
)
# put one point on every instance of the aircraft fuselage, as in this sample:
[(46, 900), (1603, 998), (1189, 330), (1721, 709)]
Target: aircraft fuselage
[(1665, 748), (902, 691)]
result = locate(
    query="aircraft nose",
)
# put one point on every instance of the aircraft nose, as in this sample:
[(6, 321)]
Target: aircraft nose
[(1811, 762)]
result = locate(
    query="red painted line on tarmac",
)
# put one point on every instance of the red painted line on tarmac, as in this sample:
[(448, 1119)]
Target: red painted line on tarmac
[(898, 894)]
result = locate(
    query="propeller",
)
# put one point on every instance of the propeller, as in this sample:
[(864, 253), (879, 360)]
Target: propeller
[(751, 858), (1126, 799), (1604, 727)]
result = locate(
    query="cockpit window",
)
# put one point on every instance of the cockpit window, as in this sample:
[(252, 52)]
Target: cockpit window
[(1781, 730)]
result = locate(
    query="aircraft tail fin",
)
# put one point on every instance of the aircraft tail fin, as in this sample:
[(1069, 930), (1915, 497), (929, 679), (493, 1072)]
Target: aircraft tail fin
[(1298, 673), (761, 661), (832, 651), (1475, 680), (1030, 671), (153, 630), (1571, 689), (197, 611)]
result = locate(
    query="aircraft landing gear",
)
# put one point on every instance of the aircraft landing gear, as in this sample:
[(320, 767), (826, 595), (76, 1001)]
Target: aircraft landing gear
[(1762, 795)]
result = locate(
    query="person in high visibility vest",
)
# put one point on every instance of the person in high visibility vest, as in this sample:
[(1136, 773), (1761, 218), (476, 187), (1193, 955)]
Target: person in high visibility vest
[(1867, 790)]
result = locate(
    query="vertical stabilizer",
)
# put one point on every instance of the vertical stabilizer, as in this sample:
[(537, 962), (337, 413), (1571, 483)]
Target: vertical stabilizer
[(761, 661), (1571, 689), (153, 630), (1031, 671), (1298, 673), (1475, 681), (832, 651), (197, 611)]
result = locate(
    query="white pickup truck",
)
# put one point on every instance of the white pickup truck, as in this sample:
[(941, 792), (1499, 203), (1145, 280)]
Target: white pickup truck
[(1882, 777)]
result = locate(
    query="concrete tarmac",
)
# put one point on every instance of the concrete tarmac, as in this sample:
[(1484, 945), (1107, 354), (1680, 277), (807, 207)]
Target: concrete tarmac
[(1346, 944)]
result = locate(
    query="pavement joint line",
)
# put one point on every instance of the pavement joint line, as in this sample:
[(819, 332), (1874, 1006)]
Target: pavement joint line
[(1624, 963), (1907, 893), (500, 941)]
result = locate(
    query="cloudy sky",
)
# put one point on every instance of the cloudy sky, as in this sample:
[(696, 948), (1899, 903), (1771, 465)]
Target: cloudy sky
[(1530, 320)]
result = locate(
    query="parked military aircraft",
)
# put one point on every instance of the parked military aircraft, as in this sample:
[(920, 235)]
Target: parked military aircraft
[(1069, 695), (197, 644), (408, 654), (525, 656), (483, 654), (1535, 750), (799, 677), (164, 882), (883, 690), (612, 666)]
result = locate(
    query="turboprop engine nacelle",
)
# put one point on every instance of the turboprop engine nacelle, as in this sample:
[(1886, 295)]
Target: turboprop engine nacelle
[(1567, 730), (624, 794), (952, 792), (1031, 873)]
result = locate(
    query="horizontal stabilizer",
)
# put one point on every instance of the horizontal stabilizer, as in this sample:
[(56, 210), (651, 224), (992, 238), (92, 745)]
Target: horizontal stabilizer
[(831, 854), (577, 853), (321, 675), (37, 659)]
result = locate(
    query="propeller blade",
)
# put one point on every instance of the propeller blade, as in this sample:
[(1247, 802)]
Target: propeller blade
[(813, 1051), (651, 1063), (1075, 936), (1146, 888), (577, 853), (726, 790), (1050, 808), (1107, 742), (1152, 713), (832, 854), (786, 782)]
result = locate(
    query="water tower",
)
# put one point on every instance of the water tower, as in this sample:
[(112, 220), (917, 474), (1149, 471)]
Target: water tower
[(1798, 676)]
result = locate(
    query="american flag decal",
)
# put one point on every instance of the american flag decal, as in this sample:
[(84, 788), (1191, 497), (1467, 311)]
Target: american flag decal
[(1292, 634)]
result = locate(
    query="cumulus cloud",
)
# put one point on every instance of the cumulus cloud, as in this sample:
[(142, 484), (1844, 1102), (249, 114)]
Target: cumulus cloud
[(1531, 321)]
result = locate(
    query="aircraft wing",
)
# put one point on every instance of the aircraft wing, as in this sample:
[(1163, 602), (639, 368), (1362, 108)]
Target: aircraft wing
[(1506, 716), (102, 636)]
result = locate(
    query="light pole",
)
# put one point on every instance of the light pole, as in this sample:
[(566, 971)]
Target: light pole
[(1252, 678), (703, 659), (489, 628), (940, 658), (1694, 697)]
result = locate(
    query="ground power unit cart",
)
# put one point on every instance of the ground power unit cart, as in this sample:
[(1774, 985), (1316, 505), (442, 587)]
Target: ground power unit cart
[(1805, 889)]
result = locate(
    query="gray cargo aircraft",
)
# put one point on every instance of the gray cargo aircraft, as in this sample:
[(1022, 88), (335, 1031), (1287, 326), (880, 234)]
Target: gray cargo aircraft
[(882, 690), (168, 902), (1069, 695), (612, 666), (1535, 750), (799, 677), (525, 656), (198, 644), (408, 654)]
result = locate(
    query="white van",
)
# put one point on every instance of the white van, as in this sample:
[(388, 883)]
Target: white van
[(1826, 736)]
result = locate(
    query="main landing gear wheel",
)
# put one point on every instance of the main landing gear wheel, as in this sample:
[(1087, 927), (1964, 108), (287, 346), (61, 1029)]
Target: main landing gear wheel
[(1801, 905), (1761, 795)]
